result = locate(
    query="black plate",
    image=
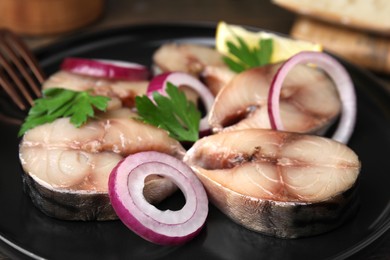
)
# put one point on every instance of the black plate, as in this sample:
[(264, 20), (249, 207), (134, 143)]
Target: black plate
[(32, 233)]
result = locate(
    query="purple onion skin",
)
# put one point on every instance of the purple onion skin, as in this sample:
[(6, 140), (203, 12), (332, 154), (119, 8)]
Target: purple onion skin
[(105, 70), (133, 224)]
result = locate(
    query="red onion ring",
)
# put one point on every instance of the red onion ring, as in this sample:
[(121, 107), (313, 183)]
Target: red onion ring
[(117, 70), (341, 80), (168, 227), (159, 84)]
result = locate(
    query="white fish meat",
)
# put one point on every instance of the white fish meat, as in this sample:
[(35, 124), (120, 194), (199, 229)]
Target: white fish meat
[(189, 58), (67, 168), (278, 183), (309, 102), (121, 92)]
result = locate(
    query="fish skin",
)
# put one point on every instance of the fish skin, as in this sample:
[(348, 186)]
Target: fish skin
[(309, 102), (85, 197), (283, 219), (78, 206), (66, 205), (282, 212)]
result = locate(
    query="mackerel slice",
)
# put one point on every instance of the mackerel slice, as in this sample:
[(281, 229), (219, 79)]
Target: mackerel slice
[(278, 183)]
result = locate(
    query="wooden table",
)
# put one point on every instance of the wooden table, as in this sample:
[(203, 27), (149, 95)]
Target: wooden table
[(257, 13)]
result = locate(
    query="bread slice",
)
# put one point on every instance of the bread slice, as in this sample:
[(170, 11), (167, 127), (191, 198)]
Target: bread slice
[(371, 15), (361, 48)]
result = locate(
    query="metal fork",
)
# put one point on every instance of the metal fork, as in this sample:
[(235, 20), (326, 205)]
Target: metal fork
[(20, 74)]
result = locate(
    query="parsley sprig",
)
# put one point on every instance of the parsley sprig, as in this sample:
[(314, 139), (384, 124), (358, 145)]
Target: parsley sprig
[(58, 102), (246, 57), (173, 113)]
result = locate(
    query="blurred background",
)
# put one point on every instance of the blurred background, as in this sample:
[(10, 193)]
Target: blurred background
[(43, 22), (101, 14)]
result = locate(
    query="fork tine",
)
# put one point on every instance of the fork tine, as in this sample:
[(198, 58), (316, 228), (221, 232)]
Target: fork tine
[(28, 58), (10, 120), (16, 58), (11, 91), (13, 46), (8, 68)]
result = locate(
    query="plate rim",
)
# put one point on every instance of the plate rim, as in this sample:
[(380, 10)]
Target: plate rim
[(74, 39)]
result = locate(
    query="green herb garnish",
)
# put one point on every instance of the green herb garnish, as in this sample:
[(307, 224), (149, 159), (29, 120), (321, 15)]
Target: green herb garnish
[(58, 102), (245, 57), (173, 113)]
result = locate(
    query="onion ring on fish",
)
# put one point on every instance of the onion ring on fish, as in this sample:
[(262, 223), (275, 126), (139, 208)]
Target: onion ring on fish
[(168, 227), (117, 70), (159, 84), (341, 80)]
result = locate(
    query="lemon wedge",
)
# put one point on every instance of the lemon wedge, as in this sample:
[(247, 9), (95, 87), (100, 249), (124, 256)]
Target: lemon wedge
[(283, 47)]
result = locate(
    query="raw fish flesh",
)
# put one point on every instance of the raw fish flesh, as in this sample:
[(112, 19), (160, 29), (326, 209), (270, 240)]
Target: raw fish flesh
[(278, 183), (67, 168)]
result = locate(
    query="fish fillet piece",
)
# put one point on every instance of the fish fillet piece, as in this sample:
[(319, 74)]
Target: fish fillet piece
[(309, 101), (119, 135), (121, 92), (189, 58), (198, 60), (278, 183), (67, 168), (217, 77)]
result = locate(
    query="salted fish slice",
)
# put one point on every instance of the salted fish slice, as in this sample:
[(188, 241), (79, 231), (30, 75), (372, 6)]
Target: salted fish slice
[(309, 101), (278, 183), (66, 169)]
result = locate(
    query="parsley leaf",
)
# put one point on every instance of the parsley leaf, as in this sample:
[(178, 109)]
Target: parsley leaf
[(245, 58), (173, 113), (58, 102)]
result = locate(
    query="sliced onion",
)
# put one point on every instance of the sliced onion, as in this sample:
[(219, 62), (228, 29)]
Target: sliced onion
[(341, 80), (117, 70), (159, 84), (168, 227)]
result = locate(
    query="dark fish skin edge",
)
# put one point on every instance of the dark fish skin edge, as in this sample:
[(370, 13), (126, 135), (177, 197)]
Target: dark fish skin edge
[(68, 206), (85, 207), (286, 219)]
